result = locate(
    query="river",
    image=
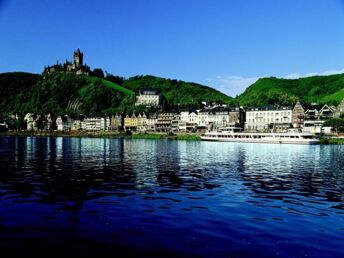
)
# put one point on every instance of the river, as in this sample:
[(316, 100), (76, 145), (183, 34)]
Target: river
[(154, 198)]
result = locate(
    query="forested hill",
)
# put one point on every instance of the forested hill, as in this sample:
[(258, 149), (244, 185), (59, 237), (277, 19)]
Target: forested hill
[(320, 89), (177, 92), (67, 93), (60, 93)]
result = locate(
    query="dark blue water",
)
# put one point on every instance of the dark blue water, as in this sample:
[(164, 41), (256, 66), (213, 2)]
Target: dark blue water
[(153, 198)]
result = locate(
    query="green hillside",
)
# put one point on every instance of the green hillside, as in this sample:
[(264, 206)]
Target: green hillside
[(60, 93), (177, 92), (320, 89), (115, 86)]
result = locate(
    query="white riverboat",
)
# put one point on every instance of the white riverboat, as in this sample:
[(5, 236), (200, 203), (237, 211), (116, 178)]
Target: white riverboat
[(234, 134)]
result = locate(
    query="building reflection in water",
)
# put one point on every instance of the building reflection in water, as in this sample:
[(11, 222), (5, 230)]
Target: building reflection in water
[(59, 169)]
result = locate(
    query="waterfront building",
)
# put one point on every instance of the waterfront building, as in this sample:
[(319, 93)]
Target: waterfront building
[(298, 115), (189, 120), (164, 121), (219, 119), (29, 119), (149, 98), (151, 121), (116, 123), (236, 117), (64, 123), (142, 122), (95, 124), (315, 116), (130, 122), (266, 118), (175, 123), (203, 119)]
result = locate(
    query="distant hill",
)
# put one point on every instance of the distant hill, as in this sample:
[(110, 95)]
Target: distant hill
[(177, 92), (320, 89)]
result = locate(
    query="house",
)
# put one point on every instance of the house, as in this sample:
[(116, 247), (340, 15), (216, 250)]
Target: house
[(175, 123), (164, 121), (151, 121), (116, 123), (315, 116), (203, 119), (236, 117), (63, 123), (130, 122), (141, 122), (219, 118), (298, 115), (95, 124), (29, 119)]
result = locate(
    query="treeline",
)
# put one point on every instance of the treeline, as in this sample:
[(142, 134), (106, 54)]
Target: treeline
[(271, 91)]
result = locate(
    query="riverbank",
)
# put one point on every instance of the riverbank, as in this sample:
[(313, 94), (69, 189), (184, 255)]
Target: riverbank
[(152, 135), (335, 141)]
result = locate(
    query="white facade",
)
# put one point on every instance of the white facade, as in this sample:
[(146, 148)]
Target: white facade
[(150, 123), (203, 119), (142, 122), (261, 119), (148, 98), (95, 124), (63, 125), (219, 119)]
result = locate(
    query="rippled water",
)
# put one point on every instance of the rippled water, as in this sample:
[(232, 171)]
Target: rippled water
[(170, 198)]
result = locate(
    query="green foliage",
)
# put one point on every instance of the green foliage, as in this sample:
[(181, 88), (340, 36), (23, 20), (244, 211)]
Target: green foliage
[(114, 78), (336, 123), (320, 89), (61, 93), (97, 72), (15, 91), (177, 93)]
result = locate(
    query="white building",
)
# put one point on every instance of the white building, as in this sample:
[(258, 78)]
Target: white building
[(148, 98), (203, 119), (150, 122), (63, 123), (95, 124), (141, 122), (30, 122), (263, 119), (219, 119)]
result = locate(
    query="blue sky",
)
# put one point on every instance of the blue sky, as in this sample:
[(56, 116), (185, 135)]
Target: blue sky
[(226, 44)]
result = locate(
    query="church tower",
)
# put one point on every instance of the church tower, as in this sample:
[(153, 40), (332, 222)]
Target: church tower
[(78, 58)]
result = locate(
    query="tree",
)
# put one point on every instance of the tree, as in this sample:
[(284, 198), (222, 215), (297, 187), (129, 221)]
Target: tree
[(335, 123), (98, 72)]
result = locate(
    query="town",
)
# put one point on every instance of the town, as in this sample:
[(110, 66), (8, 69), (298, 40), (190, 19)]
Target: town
[(264, 119), (199, 119)]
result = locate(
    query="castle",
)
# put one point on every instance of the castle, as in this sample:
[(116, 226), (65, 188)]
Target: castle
[(77, 67)]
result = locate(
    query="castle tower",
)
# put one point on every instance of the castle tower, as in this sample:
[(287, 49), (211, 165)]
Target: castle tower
[(78, 58)]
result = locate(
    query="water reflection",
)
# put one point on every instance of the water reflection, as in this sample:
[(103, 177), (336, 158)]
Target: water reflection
[(221, 190), (66, 166)]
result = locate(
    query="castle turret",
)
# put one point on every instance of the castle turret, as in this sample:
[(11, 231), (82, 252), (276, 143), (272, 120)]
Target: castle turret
[(78, 58)]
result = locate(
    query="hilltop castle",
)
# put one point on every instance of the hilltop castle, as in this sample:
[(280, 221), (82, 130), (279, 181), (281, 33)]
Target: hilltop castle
[(77, 67)]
